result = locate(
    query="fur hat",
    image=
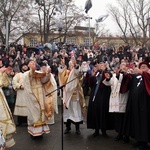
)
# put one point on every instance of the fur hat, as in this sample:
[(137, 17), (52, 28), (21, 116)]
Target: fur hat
[(145, 63)]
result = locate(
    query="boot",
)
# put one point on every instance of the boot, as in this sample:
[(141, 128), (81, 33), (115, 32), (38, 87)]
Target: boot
[(142, 146), (136, 144), (96, 133), (68, 127), (125, 139), (67, 131), (77, 129), (119, 137), (104, 134)]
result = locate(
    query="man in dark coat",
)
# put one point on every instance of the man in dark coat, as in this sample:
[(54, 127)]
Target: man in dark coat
[(137, 117), (98, 116)]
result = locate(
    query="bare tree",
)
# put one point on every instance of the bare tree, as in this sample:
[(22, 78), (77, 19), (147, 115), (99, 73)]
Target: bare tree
[(46, 11), (131, 17), (99, 31), (120, 18), (17, 13), (140, 9), (72, 17), (51, 18)]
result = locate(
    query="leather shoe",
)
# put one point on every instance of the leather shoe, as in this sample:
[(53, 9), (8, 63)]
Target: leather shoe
[(95, 134), (119, 137), (142, 146), (37, 137), (67, 131), (78, 132), (136, 144), (126, 139)]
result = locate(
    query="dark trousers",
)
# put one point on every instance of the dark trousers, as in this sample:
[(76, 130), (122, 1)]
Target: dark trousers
[(68, 125), (21, 120)]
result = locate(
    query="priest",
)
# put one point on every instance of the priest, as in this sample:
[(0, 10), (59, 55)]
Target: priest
[(137, 117)]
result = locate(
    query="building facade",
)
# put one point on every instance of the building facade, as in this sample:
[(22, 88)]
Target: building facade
[(79, 36)]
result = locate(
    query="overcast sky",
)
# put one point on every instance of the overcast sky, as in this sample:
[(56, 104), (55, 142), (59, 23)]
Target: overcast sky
[(99, 8)]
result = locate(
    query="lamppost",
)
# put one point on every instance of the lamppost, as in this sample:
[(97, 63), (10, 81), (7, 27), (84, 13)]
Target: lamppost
[(7, 34), (100, 19), (59, 30), (89, 18), (148, 23)]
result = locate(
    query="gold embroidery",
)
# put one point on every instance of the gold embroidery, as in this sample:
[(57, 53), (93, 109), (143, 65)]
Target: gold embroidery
[(21, 106)]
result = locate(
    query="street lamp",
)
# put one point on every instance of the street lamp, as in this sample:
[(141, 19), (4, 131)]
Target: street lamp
[(59, 30), (100, 19), (7, 34), (148, 22), (89, 18)]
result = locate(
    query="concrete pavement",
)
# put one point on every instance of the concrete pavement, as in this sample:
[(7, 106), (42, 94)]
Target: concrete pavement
[(56, 141)]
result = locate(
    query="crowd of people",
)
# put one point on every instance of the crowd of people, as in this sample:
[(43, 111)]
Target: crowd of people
[(115, 79)]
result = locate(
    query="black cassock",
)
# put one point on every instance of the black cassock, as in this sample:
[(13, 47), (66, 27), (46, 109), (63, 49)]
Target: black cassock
[(137, 116), (98, 116)]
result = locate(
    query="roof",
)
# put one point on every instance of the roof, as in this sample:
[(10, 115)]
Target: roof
[(83, 28)]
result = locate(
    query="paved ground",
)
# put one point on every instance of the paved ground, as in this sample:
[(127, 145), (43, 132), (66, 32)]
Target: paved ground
[(58, 141)]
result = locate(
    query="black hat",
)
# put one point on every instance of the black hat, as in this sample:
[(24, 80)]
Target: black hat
[(42, 64), (24, 64)]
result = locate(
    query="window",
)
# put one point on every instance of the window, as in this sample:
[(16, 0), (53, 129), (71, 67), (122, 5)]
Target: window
[(33, 42), (56, 40), (53, 40), (86, 41), (71, 40)]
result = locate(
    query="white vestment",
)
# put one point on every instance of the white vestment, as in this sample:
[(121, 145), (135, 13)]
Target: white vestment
[(6, 120), (117, 101), (35, 105), (21, 98), (54, 88), (72, 98)]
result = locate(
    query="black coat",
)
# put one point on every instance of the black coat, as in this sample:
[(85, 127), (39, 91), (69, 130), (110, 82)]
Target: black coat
[(137, 116), (98, 116)]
